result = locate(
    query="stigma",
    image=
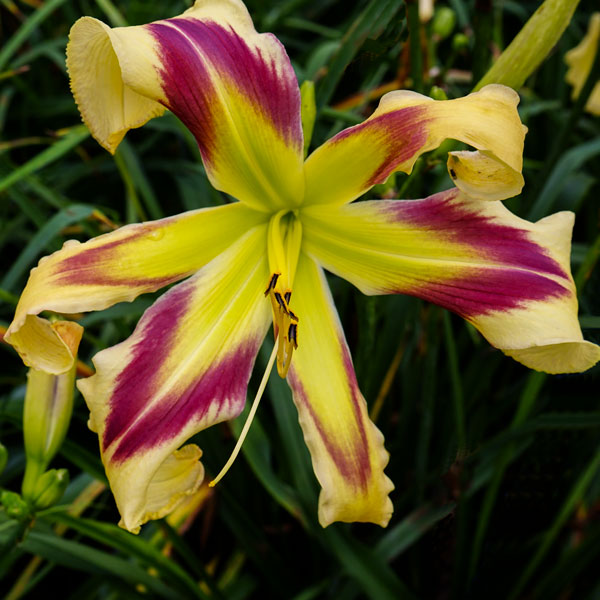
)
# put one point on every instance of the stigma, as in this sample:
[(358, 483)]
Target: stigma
[(284, 241)]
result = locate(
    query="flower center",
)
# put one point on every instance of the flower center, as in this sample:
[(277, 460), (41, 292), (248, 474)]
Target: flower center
[(283, 244)]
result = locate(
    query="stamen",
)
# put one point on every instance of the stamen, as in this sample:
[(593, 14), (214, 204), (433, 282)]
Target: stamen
[(281, 355), (283, 248), (283, 369), (281, 303), (293, 334), (249, 419), (272, 283)]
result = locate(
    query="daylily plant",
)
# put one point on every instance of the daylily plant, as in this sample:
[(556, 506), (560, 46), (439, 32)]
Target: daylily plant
[(259, 260)]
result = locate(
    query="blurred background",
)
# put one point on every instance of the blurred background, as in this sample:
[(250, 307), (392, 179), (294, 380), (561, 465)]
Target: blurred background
[(497, 468)]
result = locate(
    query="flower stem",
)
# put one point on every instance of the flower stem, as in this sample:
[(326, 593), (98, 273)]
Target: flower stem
[(416, 56)]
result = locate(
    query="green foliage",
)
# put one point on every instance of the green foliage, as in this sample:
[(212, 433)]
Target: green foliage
[(497, 469)]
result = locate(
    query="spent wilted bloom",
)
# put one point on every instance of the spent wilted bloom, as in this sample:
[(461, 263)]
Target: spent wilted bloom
[(260, 260)]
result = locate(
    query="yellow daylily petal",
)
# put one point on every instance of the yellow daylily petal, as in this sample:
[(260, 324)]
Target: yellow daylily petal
[(116, 267), (405, 125), (510, 278), (484, 177), (185, 367), (235, 90), (175, 480), (580, 60), (42, 345), (346, 448), (109, 107)]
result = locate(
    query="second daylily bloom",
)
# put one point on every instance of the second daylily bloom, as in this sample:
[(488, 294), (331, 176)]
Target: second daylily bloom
[(580, 61), (188, 362)]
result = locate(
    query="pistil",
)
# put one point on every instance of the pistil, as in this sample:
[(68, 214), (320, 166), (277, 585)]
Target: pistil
[(249, 419)]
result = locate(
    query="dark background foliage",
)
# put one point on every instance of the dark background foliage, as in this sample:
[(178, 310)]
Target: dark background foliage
[(497, 468)]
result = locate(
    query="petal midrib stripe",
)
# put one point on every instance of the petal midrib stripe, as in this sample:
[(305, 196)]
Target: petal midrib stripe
[(175, 374), (255, 166)]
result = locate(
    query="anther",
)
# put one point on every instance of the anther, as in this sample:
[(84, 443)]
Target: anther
[(285, 321), (282, 303), (293, 334), (272, 283)]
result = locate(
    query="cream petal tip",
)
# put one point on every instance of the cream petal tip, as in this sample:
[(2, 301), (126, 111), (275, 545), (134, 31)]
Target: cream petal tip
[(562, 357), (381, 514), (41, 344), (500, 90), (179, 476)]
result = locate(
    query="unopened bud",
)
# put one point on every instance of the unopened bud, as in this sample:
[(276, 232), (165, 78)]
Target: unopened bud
[(50, 488), (531, 45), (46, 417), (3, 457), (437, 93), (308, 111), (444, 22), (15, 507), (460, 42)]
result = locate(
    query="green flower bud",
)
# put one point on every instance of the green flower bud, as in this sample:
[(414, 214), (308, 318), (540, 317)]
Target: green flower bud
[(46, 417), (460, 42), (49, 488), (444, 22), (3, 457), (437, 93), (15, 507), (531, 45), (308, 111)]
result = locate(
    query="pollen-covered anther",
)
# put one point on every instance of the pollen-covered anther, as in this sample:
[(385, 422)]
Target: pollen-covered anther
[(281, 303), (293, 334), (283, 248), (272, 283), (285, 324)]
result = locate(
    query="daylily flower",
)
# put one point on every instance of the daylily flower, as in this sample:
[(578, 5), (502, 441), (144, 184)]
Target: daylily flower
[(188, 362), (580, 60)]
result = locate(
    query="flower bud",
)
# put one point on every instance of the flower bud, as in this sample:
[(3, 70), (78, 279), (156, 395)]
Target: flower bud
[(460, 42), (46, 417), (531, 45), (3, 457), (49, 488), (437, 93), (444, 22), (308, 111), (15, 507)]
